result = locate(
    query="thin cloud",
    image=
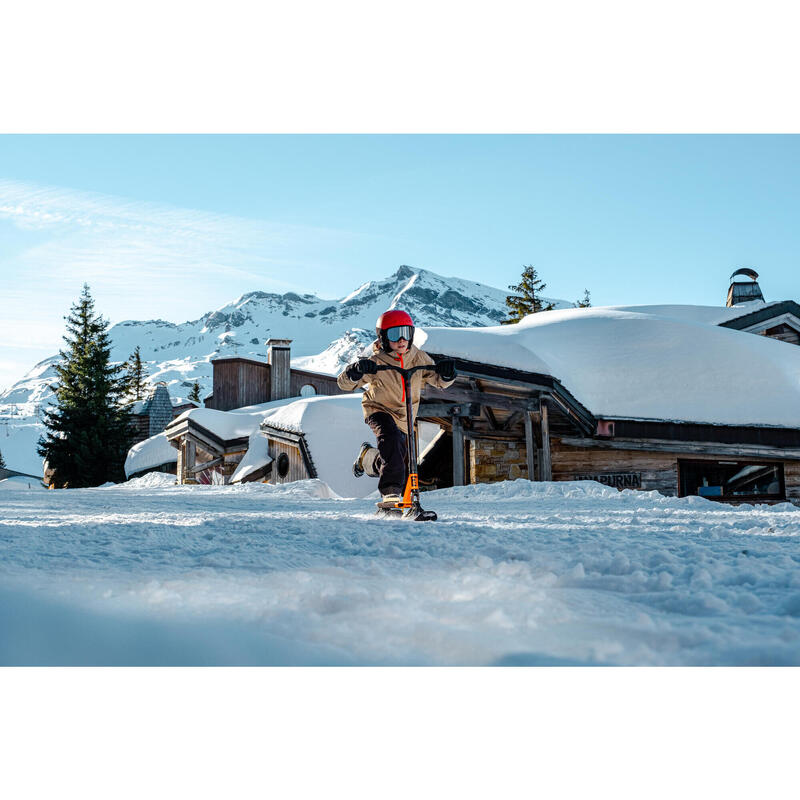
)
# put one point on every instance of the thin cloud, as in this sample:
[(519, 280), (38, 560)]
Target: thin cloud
[(106, 238), (142, 260)]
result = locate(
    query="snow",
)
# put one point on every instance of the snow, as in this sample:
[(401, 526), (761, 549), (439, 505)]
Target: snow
[(150, 453), (20, 482), (256, 457), (512, 573), (643, 364), (709, 315)]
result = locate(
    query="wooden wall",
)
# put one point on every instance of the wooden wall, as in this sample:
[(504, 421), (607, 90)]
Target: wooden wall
[(297, 467), (658, 470), (784, 333), (323, 384), (791, 476), (239, 382)]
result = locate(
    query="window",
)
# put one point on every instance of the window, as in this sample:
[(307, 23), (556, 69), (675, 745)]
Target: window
[(731, 480), (307, 391), (283, 465)]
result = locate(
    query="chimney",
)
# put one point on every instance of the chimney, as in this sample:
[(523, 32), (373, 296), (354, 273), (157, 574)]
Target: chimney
[(742, 291), (278, 358)]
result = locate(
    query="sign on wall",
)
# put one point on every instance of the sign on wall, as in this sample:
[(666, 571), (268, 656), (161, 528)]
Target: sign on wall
[(619, 480)]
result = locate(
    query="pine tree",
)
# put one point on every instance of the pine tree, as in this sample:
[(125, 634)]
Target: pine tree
[(528, 299), (135, 375), (586, 302), (2, 461), (195, 393), (87, 434)]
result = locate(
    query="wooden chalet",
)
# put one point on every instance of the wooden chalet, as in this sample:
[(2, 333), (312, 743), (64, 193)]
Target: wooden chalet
[(500, 423), (240, 382)]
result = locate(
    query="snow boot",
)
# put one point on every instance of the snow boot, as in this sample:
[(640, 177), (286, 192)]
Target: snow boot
[(366, 461)]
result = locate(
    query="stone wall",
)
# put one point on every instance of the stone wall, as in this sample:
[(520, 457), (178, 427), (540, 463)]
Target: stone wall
[(491, 461)]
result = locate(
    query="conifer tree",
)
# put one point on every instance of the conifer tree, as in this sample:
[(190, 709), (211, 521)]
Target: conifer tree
[(195, 393), (2, 461), (586, 302), (135, 375), (528, 297), (87, 434)]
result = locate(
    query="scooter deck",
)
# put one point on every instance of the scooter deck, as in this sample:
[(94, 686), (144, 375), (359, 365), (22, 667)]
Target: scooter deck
[(415, 513)]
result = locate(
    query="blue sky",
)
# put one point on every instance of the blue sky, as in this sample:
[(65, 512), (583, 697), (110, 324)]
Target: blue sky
[(173, 226)]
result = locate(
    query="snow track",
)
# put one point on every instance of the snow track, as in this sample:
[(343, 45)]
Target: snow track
[(512, 573)]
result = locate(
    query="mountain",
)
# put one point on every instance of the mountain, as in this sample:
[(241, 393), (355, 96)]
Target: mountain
[(325, 334)]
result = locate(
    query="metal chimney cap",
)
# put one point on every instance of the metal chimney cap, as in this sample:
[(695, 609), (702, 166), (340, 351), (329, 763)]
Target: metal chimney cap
[(747, 272)]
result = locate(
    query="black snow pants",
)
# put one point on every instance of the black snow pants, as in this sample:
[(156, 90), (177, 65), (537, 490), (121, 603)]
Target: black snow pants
[(392, 449)]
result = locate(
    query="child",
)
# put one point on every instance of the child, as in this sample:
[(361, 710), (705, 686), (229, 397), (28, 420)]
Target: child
[(384, 399)]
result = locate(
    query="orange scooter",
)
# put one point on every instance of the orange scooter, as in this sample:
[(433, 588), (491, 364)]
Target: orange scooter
[(409, 507)]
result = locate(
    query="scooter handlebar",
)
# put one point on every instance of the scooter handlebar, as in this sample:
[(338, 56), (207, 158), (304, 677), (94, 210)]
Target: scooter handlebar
[(410, 371)]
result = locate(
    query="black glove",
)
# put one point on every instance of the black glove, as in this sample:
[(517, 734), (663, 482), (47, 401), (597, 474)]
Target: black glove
[(446, 368), (358, 369)]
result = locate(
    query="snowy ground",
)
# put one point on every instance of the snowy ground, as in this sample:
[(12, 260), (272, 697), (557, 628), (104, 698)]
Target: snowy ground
[(513, 573)]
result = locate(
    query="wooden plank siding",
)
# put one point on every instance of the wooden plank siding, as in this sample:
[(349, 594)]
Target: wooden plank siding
[(791, 477), (784, 333), (297, 467), (242, 382), (658, 469), (322, 384), (239, 382)]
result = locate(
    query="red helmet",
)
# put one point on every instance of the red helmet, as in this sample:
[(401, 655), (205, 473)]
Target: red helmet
[(394, 319)]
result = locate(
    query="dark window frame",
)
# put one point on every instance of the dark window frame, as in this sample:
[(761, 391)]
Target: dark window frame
[(758, 498)]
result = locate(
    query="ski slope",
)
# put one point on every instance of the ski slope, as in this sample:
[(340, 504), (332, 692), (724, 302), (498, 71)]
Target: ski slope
[(514, 573)]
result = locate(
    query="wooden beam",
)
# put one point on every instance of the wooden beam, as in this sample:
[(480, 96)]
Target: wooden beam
[(206, 465), (448, 410), (699, 448), (547, 467), (490, 418), (532, 384), (512, 420), (502, 401), (491, 436), (530, 445), (458, 452), (191, 456)]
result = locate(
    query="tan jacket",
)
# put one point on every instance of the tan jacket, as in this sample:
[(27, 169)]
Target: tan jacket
[(384, 390)]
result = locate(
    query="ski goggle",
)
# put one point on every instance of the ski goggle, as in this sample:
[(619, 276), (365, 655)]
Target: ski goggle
[(399, 332)]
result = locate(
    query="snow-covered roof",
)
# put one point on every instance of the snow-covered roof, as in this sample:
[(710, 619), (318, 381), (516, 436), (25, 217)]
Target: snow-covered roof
[(710, 315), (334, 429), (644, 362), (150, 453), (233, 424)]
